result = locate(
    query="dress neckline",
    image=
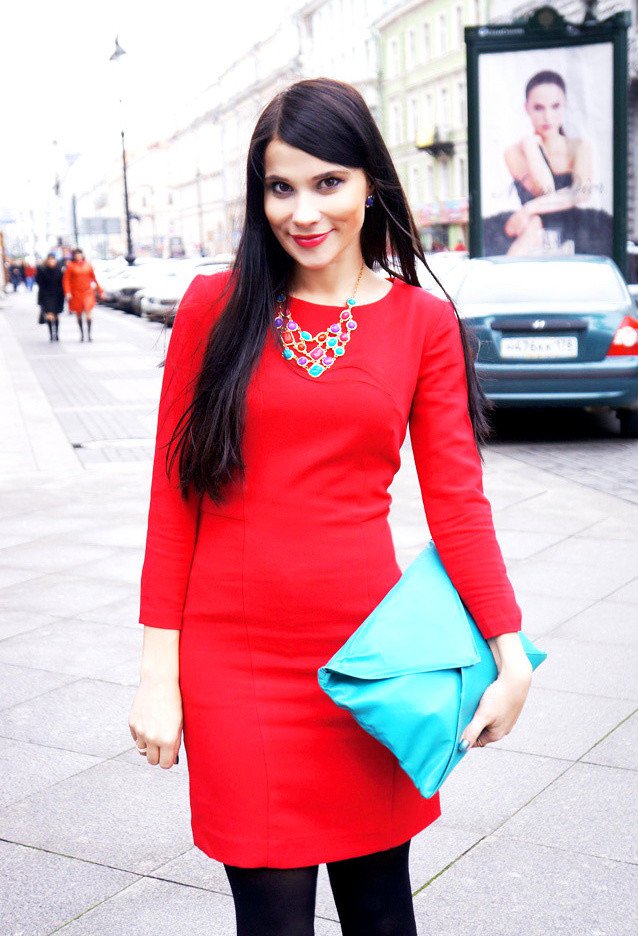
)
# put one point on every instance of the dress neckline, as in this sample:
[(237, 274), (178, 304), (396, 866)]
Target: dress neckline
[(294, 300)]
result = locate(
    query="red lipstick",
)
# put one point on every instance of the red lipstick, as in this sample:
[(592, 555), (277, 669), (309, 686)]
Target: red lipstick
[(309, 240)]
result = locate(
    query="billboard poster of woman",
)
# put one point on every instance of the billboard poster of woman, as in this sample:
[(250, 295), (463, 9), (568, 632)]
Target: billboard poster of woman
[(546, 139)]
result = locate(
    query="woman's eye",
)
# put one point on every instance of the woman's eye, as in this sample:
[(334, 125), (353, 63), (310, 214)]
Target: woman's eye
[(331, 183), (280, 188)]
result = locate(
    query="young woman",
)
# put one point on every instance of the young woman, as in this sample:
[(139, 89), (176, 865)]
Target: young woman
[(552, 176), (79, 282), (48, 278), (288, 388)]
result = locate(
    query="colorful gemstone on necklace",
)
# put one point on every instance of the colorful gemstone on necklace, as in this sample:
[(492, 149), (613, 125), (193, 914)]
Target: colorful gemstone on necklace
[(316, 354), (287, 353), (344, 336), (339, 351), (351, 325), (351, 302), (327, 361), (306, 336), (302, 361), (316, 370), (335, 329), (345, 315), (331, 342), (279, 321), (292, 326)]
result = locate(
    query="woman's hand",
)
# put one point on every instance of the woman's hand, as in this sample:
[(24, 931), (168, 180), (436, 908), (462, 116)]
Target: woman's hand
[(500, 706), (155, 721), (517, 222)]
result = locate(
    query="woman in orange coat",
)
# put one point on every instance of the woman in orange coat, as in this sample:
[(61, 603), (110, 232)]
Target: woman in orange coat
[(78, 280)]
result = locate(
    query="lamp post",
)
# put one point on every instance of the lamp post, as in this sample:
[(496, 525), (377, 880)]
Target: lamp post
[(130, 256)]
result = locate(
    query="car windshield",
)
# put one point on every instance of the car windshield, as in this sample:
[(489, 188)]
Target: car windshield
[(540, 282)]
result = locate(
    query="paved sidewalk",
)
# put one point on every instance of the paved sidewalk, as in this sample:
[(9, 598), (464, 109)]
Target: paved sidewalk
[(538, 833)]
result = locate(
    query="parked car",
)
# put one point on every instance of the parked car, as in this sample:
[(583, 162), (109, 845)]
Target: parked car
[(159, 302), (553, 331), (118, 273)]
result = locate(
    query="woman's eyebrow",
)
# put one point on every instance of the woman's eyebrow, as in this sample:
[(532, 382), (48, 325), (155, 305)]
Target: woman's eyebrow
[(322, 175)]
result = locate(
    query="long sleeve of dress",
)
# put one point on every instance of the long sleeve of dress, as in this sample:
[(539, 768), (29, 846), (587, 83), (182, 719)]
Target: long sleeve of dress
[(458, 513), (172, 521)]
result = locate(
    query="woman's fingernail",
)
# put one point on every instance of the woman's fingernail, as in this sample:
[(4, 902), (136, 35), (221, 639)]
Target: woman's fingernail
[(464, 745), (177, 758)]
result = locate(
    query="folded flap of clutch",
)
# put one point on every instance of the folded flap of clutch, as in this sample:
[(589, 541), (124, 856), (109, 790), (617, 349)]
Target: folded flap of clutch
[(423, 615)]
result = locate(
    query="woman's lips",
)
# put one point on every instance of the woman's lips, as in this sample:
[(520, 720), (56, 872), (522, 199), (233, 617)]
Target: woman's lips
[(309, 240)]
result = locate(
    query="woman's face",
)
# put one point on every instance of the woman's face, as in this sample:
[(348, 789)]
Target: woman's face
[(79, 257), (316, 209), (545, 106)]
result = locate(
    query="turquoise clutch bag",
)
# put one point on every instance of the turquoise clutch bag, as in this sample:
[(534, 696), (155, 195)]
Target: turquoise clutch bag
[(413, 673)]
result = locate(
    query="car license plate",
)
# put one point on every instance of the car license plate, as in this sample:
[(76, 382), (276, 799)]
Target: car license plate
[(543, 346)]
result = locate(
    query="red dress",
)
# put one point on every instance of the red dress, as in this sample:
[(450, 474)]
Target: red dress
[(78, 281), (266, 587)]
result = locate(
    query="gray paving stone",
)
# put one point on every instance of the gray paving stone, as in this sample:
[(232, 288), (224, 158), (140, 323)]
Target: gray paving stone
[(51, 553), (88, 716), (75, 647), (570, 579), (582, 666), (586, 551), (563, 724), (62, 593), (489, 785), (605, 622), (541, 613), (17, 576), (614, 528), (124, 612), (508, 888), (126, 673), (628, 592), (590, 809), (125, 565), (26, 768), (519, 544), (113, 814), (40, 891), (17, 621), (618, 749), (194, 868), (18, 683)]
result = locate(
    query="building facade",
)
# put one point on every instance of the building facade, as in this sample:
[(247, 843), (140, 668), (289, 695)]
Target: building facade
[(424, 110)]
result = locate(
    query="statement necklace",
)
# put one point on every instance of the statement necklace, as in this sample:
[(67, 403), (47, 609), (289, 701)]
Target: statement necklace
[(315, 353)]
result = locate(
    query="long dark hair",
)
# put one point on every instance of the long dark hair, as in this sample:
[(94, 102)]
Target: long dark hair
[(331, 121)]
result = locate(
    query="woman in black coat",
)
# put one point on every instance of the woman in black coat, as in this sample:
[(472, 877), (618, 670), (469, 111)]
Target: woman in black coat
[(50, 293)]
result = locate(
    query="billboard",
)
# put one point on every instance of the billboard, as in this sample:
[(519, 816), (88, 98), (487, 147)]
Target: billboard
[(547, 137)]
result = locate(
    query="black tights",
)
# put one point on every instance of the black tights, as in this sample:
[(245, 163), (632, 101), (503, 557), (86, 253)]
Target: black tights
[(372, 894)]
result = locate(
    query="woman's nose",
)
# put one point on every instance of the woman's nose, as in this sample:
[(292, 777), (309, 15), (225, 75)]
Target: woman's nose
[(305, 211)]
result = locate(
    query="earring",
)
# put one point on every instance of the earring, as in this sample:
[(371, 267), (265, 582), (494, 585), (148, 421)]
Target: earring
[(369, 201)]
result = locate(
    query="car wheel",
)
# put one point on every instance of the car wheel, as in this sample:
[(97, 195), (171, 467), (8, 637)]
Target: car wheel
[(628, 423)]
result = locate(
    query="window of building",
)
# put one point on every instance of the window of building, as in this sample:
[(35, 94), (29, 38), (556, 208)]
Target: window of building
[(477, 12), (427, 42), (428, 116), (396, 123), (443, 46), (413, 118), (410, 49), (393, 58), (462, 103), (444, 181), (429, 184), (462, 171), (415, 185), (460, 24), (444, 112)]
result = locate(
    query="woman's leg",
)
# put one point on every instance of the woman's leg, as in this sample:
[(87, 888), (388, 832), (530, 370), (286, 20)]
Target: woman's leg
[(49, 317), (373, 893), (88, 324), (79, 318), (274, 901), (56, 325)]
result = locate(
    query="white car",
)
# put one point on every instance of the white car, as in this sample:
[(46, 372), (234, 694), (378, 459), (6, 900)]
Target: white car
[(159, 301)]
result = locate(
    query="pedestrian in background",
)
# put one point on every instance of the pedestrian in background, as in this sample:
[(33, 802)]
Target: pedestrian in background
[(80, 284), (48, 277), (29, 274), (16, 274), (288, 388)]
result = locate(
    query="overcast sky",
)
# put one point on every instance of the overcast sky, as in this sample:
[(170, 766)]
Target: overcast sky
[(59, 85)]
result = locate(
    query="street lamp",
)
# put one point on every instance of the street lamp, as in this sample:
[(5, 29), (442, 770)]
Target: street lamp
[(130, 256)]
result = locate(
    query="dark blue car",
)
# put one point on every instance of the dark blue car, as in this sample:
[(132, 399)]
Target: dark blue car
[(554, 331)]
